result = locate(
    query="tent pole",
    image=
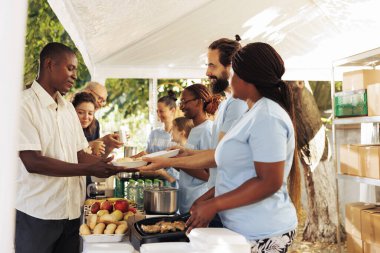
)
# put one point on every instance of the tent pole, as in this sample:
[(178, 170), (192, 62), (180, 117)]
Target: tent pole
[(12, 27), (153, 93)]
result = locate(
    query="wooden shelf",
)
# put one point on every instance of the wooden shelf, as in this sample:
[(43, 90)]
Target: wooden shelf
[(357, 179), (356, 120), (369, 58)]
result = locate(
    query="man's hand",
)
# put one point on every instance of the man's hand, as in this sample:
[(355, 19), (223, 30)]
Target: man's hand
[(105, 169), (112, 141)]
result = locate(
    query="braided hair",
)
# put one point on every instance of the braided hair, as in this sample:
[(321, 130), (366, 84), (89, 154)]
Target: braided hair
[(210, 101), (260, 65)]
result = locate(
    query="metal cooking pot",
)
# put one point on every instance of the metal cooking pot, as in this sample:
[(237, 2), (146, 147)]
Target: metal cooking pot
[(161, 200)]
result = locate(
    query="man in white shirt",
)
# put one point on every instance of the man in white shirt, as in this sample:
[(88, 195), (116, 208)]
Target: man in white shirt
[(50, 182)]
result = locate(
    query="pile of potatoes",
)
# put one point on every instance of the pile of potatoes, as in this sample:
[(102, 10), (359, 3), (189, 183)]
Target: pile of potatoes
[(107, 224)]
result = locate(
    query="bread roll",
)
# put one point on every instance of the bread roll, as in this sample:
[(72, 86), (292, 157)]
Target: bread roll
[(121, 229), (110, 229), (91, 220), (107, 218), (99, 228), (84, 230)]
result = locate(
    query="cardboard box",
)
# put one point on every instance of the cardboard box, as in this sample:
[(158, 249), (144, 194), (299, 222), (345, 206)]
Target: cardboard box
[(370, 224), (370, 161), (373, 99), (360, 79), (370, 248), (353, 217), (350, 159), (354, 244)]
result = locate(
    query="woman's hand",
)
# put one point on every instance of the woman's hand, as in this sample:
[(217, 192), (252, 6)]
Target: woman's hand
[(206, 196), (182, 151), (142, 153), (201, 215), (112, 141), (101, 148), (156, 163)]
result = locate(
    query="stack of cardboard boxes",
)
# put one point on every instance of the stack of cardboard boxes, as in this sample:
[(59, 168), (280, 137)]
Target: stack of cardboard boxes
[(360, 160), (361, 89), (363, 228)]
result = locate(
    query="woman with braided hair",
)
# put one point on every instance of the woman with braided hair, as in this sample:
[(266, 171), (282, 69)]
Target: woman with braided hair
[(258, 182)]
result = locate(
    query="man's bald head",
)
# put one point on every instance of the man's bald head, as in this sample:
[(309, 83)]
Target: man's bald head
[(98, 91)]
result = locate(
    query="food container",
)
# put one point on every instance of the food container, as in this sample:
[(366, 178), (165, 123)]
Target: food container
[(161, 200), (103, 238), (139, 237)]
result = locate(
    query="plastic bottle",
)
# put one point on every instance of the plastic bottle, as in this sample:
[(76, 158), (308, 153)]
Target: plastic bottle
[(132, 185), (156, 183), (148, 184), (140, 194)]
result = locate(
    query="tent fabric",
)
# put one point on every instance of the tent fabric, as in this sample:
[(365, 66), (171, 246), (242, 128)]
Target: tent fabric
[(169, 38)]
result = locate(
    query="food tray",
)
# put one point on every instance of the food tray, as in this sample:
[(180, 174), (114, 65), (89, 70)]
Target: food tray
[(139, 237), (103, 238)]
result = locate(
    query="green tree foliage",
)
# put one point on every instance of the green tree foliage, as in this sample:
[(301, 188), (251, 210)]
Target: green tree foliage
[(129, 96), (43, 27)]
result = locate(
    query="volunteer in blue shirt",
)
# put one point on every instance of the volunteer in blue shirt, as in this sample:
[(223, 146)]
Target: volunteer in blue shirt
[(256, 158), (219, 71), (161, 138), (197, 102)]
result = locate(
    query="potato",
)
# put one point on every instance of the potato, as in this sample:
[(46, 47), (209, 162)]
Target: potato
[(84, 230), (110, 229), (99, 228), (121, 229), (91, 221)]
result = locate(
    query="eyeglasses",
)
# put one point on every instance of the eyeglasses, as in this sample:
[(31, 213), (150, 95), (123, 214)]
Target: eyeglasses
[(184, 102), (99, 98)]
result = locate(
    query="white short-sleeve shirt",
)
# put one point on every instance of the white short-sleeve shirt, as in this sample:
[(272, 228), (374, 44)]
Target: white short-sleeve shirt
[(54, 129), (264, 134)]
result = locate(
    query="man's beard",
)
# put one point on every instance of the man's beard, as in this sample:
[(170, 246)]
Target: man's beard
[(219, 86)]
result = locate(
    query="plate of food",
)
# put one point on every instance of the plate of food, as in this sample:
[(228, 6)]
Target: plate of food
[(164, 153), (129, 162)]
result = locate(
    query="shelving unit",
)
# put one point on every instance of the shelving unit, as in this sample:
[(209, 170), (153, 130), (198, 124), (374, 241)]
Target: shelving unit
[(369, 126)]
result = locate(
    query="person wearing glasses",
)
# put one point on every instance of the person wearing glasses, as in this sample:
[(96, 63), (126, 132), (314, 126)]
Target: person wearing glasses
[(100, 94), (197, 102)]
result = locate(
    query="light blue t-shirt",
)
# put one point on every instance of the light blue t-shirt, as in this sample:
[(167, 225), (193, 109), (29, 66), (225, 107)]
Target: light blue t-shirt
[(191, 188), (229, 111), (160, 140), (264, 134)]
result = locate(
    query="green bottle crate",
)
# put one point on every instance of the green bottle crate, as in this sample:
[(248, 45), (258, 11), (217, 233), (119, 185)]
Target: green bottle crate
[(351, 103)]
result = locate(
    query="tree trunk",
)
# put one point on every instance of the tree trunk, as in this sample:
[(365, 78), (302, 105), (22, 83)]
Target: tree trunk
[(318, 176), (321, 221)]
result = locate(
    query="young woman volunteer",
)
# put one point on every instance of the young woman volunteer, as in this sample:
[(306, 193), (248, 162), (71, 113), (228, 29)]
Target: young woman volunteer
[(197, 102)]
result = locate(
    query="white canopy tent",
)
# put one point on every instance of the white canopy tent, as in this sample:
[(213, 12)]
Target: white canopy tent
[(169, 38)]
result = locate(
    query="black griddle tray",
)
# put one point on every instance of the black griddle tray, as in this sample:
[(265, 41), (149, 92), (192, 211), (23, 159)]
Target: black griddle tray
[(139, 237)]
